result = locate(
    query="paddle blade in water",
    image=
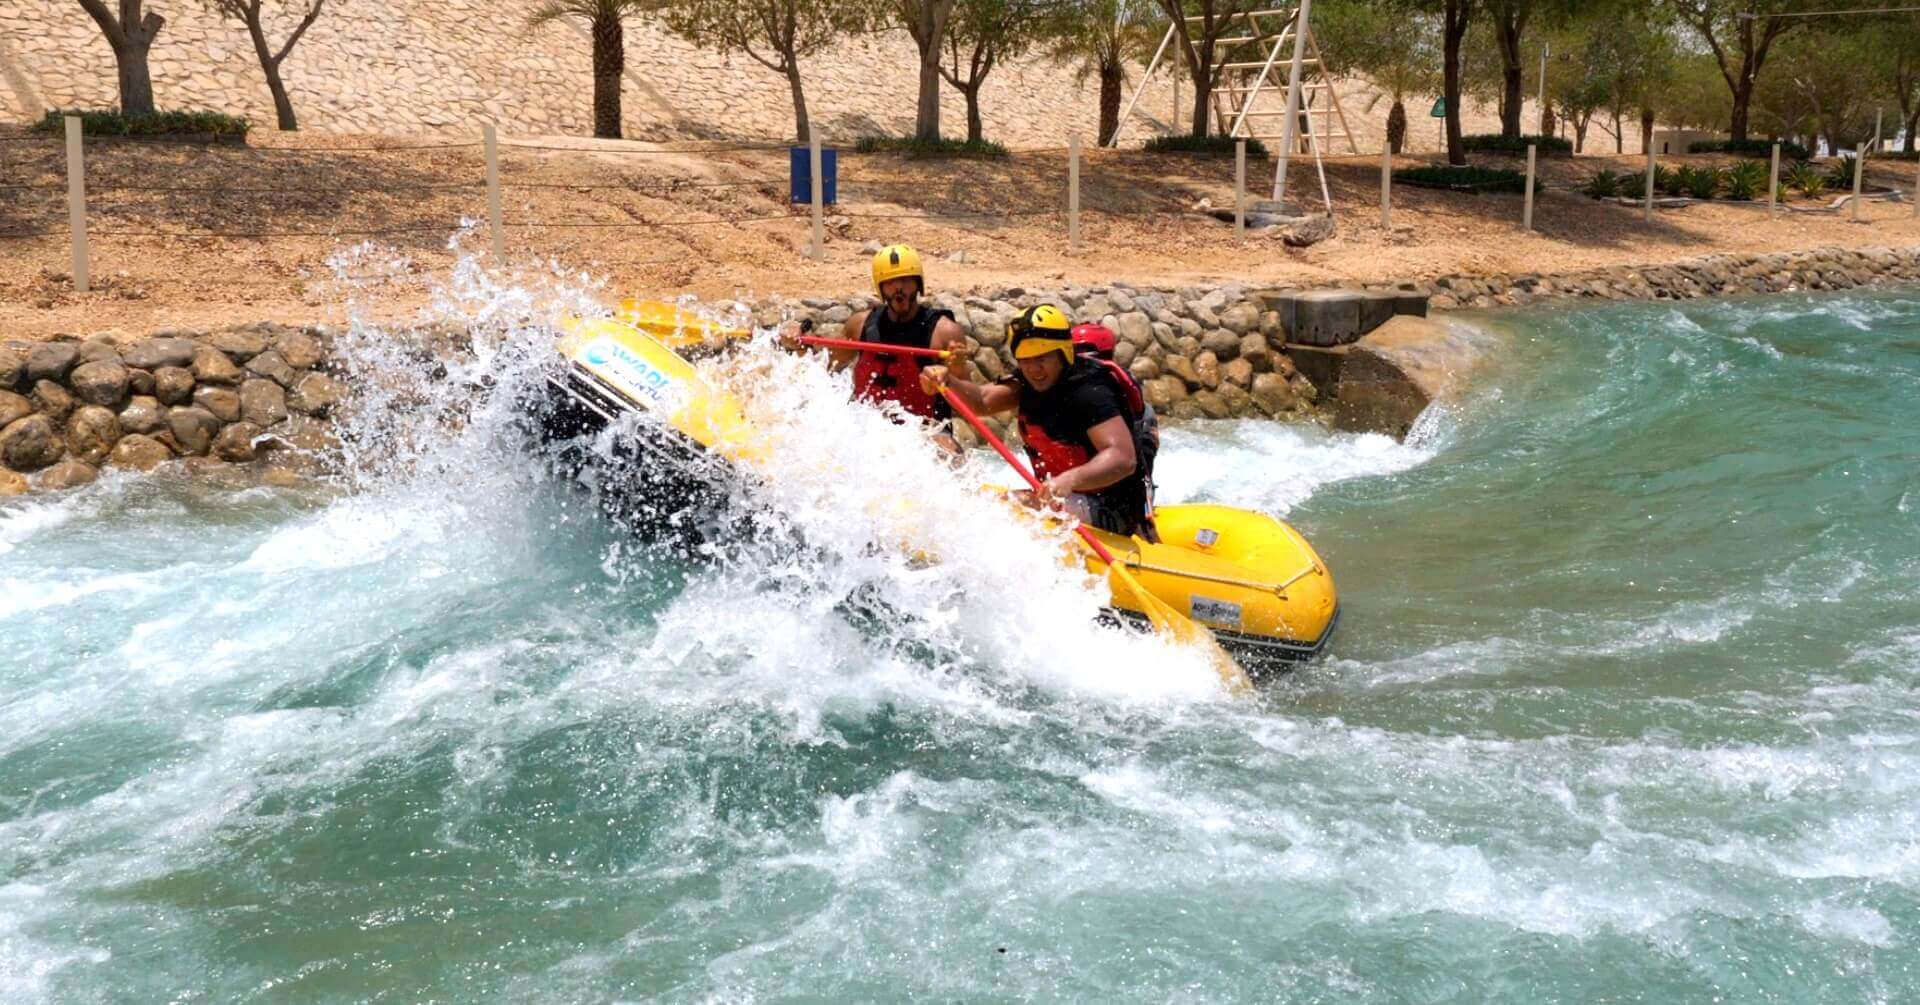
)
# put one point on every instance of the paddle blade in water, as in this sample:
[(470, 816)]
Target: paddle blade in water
[(1182, 628)]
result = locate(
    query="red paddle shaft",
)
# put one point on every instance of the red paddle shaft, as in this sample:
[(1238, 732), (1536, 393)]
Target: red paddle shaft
[(1007, 455), (895, 350)]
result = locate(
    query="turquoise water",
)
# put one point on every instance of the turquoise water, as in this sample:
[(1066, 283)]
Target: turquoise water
[(1622, 708)]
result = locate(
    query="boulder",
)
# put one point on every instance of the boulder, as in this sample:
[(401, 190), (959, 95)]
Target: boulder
[(139, 381), (1240, 318), (30, 444), (317, 393), (13, 408), (1206, 368), (1187, 345), (302, 351), (52, 361), (12, 483), (139, 452), (1163, 335), (1211, 405), (1273, 395), (1186, 409), (263, 402), (272, 365), (1181, 368), (1236, 372), (1254, 349), (143, 414), (1306, 233), (985, 360), (193, 429), (1222, 342), (211, 366), (68, 474), (286, 478), (102, 382), (91, 433), (239, 344), (1176, 389), (223, 402), (154, 353), (99, 349), (13, 370), (1124, 354), (52, 399), (235, 443), (1238, 401), (173, 385), (1144, 369), (1133, 328)]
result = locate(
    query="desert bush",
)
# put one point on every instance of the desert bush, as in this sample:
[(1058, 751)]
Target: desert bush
[(1745, 180), (1494, 143), (1603, 185), (1806, 179), (912, 147), (107, 122), (1464, 179), (1749, 148), (1215, 146)]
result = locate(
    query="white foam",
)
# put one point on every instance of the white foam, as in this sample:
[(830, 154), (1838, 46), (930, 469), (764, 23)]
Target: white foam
[(1274, 467)]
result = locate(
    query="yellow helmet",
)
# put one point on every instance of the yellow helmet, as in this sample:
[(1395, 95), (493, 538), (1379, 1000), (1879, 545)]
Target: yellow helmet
[(1039, 330), (895, 261)]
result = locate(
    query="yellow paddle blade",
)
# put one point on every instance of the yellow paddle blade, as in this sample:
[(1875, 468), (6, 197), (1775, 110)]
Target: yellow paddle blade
[(674, 327), (1170, 622)]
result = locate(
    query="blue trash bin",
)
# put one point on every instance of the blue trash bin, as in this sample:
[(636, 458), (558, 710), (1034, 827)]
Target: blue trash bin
[(801, 175)]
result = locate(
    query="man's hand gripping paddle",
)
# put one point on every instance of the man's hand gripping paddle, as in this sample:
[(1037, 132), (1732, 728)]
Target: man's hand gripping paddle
[(1162, 615)]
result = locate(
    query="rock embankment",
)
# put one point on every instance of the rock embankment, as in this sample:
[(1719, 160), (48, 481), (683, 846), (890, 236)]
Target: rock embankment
[(254, 399), (1710, 276)]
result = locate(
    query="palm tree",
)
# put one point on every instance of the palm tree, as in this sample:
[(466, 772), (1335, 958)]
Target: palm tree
[(603, 18), (1102, 36)]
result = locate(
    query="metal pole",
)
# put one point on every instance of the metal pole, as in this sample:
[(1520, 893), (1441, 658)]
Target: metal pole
[(819, 196), (1773, 182), (490, 138), (1859, 164), (1526, 214), (1073, 194), (1114, 140), (1878, 114), (1386, 186), (1293, 104), (77, 202), (1649, 213), (1240, 189), (1543, 88)]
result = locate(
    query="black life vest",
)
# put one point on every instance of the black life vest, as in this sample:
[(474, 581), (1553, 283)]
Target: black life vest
[(883, 376)]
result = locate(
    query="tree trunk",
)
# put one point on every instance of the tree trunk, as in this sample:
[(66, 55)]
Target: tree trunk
[(1619, 134), (1397, 126), (1510, 25), (1454, 30), (609, 60), (929, 31), (136, 82), (1580, 131), (270, 67), (802, 127), (1111, 81), (1913, 122), (1646, 129), (975, 132), (1742, 98)]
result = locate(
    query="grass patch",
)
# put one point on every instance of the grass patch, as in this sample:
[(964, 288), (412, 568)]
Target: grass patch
[(1494, 143), (1749, 148), (912, 147), (106, 122), (1464, 179), (1206, 146)]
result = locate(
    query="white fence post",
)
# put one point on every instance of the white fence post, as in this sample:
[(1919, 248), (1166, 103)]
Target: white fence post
[(77, 202), (1526, 215), (1073, 194), (490, 138), (1859, 170), (1649, 213), (819, 196), (1386, 186), (1240, 189), (1916, 191), (1773, 182)]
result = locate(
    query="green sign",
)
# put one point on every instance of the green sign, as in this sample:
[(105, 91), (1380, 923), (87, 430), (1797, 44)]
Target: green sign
[(1439, 108)]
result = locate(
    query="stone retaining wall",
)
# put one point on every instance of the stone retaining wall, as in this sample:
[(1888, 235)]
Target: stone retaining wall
[(1709, 276)]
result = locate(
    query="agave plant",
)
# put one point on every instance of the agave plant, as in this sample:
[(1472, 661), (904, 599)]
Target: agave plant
[(1840, 175), (1698, 182), (1805, 178), (1744, 180), (1603, 185), (1665, 180)]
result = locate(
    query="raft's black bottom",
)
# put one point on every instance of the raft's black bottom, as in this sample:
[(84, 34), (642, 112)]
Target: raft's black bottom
[(1259, 655)]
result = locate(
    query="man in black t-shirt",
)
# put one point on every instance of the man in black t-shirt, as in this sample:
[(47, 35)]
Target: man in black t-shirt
[(1081, 424)]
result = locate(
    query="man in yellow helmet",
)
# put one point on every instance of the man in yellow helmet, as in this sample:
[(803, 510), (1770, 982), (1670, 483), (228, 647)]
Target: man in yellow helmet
[(901, 320), (1082, 420)]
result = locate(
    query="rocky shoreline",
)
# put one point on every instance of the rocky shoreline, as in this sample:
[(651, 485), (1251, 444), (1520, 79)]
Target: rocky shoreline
[(256, 401)]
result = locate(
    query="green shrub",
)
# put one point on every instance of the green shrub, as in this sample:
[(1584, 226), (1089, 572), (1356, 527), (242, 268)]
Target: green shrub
[(1840, 172), (1745, 180), (1666, 181), (1699, 182), (1217, 146), (1805, 178), (1464, 179), (106, 122), (1749, 148), (1603, 185), (1494, 143), (1898, 155), (912, 147)]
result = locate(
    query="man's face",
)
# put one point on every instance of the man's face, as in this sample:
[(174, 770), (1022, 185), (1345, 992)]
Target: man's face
[(1044, 370), (901, 295)]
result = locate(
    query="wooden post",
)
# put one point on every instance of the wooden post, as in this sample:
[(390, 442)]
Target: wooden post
[(1386, 186), (1073, 194), (490, 139), (1859, 170), (1291, 131), (1649, 213), (1526, 215), (1240, 189), (77, 202), (1773, 182), (819, 196), (1916, 191)]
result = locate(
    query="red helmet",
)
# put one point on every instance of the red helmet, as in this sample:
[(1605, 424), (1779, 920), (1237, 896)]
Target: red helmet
[(1096, 339)]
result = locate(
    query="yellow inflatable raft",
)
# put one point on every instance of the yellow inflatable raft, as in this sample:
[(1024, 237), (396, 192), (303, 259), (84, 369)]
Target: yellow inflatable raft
[(1250, 578)]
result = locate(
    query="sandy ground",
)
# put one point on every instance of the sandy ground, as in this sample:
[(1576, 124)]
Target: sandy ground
[(715, 222)]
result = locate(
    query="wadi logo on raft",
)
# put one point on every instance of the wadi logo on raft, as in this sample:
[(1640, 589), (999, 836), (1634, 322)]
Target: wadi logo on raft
[(626, 368)]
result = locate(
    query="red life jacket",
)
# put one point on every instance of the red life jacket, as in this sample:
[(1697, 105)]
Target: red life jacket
[(1052, 456), (880, 376)]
